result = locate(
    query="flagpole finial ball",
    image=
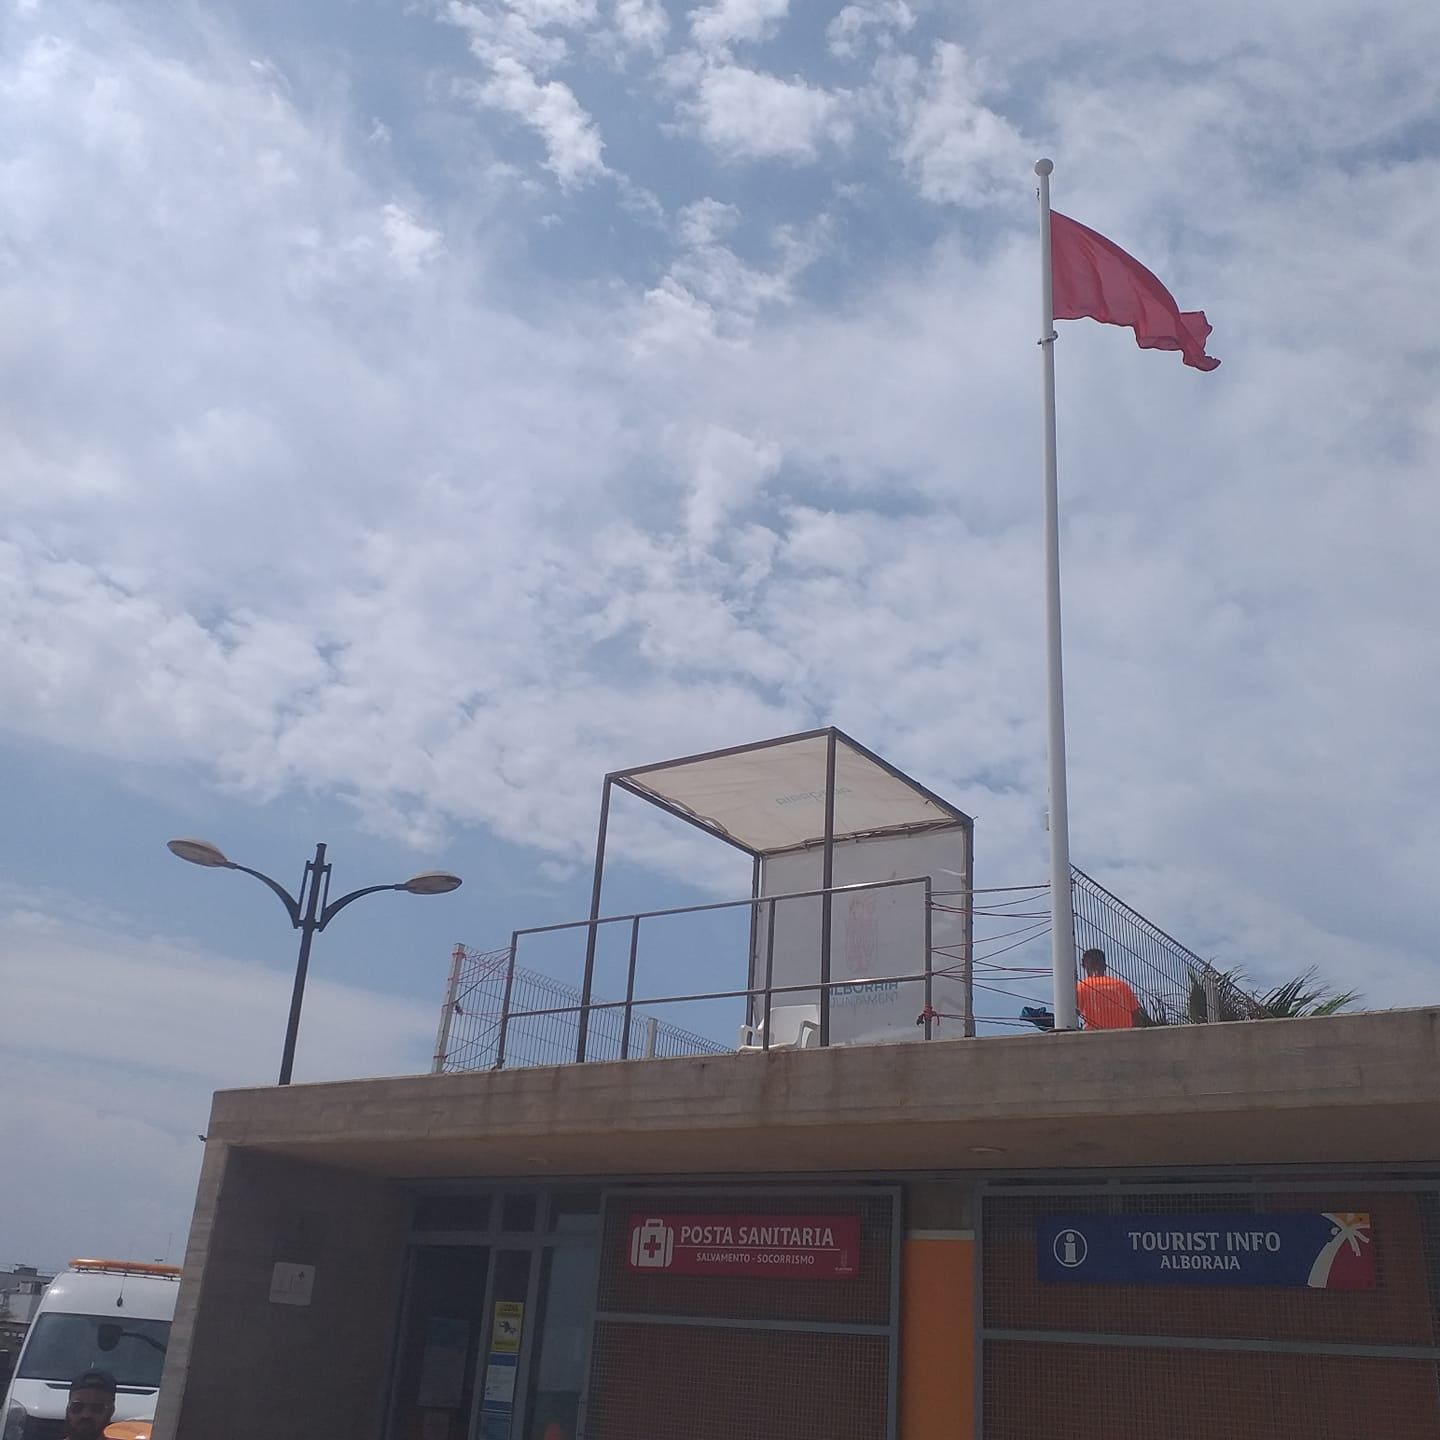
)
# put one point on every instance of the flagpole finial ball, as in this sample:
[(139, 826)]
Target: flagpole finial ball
[(1044, 167)]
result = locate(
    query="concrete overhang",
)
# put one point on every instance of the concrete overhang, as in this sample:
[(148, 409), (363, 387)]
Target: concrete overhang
[(1346, 1089)]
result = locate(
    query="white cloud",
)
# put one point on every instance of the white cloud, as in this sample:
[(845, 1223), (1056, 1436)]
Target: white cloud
[(518, 42), (727, 471), (750, 115), (531, 34), (573, 146), (124, 1038), (956, 147), (412, 245), (642, 24), (361, 663), (818, 540), (496, 36), (568, 14), (709, 293), (671, 318), (724, 22), (857, 26), (707, 222)]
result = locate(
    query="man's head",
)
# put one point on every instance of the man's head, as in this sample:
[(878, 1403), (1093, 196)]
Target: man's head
[(1093, 962), (91, 1407)]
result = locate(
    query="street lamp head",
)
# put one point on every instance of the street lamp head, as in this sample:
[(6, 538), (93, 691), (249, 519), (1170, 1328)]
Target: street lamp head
[(200, 852), (431, 882)]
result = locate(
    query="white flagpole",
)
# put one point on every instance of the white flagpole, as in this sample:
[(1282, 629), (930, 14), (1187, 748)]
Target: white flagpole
[(1062, 909)]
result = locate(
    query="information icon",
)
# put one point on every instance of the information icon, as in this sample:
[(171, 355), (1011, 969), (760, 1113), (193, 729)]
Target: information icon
[(1070, 1249)]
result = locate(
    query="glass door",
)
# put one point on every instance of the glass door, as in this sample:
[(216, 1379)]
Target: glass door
[(501, 1391), (440, 1338), (494, 1333), (562, 1348)]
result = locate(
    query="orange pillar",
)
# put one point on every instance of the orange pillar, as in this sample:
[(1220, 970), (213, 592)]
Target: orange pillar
[(937, 1337)]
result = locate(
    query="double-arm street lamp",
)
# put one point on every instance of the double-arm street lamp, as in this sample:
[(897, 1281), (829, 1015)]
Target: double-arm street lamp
[(311, 913)]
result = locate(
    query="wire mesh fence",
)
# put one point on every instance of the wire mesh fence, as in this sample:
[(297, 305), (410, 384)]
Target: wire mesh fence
[(1174, 984), (1012, 967), (470, 1030), (1005, 966)]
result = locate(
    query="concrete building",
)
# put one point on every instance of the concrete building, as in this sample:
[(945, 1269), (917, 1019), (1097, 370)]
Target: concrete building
[(20, 1290), (864, 1222), (421, 1214)]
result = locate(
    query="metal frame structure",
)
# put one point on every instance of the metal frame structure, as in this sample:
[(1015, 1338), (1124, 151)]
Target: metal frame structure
[(1176, 985), (625, 780), (765, 992)]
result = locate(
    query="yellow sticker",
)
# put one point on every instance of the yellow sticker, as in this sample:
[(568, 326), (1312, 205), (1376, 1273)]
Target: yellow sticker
[(509, 1316)]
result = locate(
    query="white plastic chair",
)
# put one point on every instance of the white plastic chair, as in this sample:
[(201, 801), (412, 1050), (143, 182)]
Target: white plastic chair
[(791, 1027)]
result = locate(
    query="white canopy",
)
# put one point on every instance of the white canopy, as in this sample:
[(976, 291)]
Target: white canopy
[(770, 796)]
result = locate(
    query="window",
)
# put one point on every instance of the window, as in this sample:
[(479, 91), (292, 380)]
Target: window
[(517, 1212), (63, 1346), (576, 1210), (451, 1212)]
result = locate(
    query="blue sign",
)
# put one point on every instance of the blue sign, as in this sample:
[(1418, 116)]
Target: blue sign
[(1325, 1251)]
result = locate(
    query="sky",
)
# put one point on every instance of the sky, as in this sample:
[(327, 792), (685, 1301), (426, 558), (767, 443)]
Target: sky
[(412, 411)]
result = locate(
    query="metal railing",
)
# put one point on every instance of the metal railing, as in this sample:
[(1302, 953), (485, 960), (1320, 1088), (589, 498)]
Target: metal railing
[(1175, 985), (471, 1021), (499, 1012), (824, 985)]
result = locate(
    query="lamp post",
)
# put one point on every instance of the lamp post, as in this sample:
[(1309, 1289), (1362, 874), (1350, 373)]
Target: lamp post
[(310, 914)]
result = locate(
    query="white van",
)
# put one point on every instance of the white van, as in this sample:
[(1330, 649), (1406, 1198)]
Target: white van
[(99, 1315)]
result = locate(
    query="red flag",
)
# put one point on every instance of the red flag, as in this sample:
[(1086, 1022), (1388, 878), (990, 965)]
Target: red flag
[(1095, 279)]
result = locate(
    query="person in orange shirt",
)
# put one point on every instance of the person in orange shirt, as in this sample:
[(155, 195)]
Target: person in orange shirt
[(1106, 1002)]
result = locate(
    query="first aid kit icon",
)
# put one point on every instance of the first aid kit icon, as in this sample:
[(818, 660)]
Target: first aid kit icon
[(652, 1245)]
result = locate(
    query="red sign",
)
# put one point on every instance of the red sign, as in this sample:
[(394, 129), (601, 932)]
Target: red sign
[(790, 1247)]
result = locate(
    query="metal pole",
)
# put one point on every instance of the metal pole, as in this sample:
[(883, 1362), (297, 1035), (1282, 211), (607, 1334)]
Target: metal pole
[(929, 963), (316, 872), (969, 920), (447, 1012), (505, 1002), (590, 937), (754, 938), (630, 988), (827, 879), (1062, 914), (769, 975), (1212, 998)]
